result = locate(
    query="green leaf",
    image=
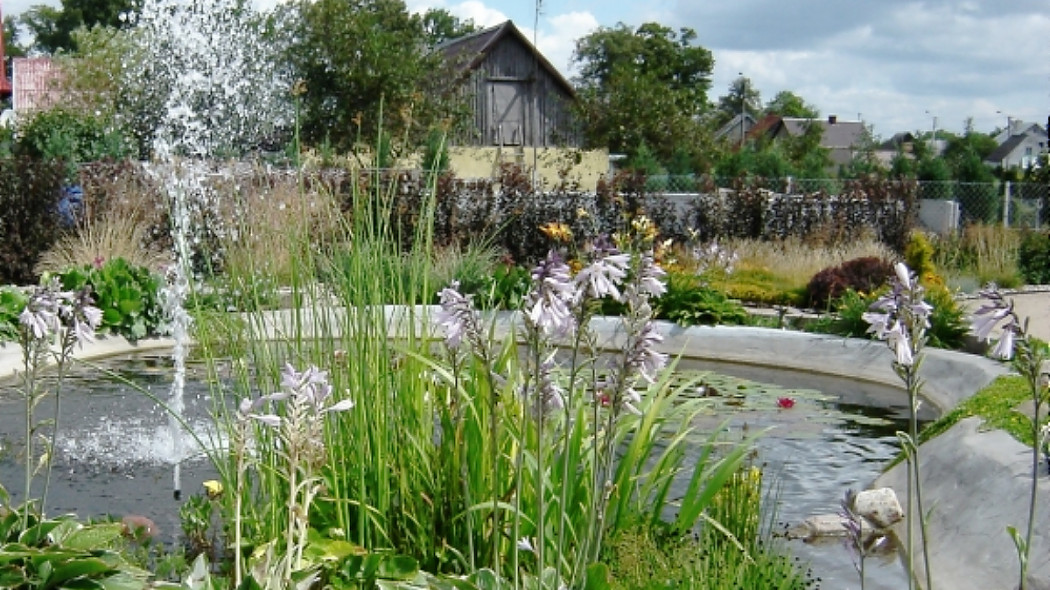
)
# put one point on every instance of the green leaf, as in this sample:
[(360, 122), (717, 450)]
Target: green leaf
[(77, 568), (598, 577), (398, 567), (94, 536)]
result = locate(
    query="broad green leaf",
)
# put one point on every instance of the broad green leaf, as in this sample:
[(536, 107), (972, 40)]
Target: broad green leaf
[(94, 537), (398, 567), (76, 568)]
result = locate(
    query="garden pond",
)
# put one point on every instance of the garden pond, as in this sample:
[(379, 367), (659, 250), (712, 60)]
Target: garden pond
[(823, 435)]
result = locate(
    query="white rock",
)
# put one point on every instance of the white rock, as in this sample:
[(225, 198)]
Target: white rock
[(880, 507)]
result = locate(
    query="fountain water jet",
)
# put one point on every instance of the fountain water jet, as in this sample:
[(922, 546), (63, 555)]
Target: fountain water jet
[(202, 65)]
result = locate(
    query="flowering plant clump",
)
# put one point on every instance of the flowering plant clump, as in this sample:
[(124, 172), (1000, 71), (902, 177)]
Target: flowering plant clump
[(305, 399), (52, 324), (565, 394), (901, 317)]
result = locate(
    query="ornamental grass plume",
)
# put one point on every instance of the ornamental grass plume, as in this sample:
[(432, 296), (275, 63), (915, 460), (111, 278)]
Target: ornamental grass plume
[(1028, 359)]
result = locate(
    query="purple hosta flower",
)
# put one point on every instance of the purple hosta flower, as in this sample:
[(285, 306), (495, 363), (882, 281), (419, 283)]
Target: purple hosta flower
[(40, 317), (80, 317), (547, 306), (997, 312), (715, 257), (551, 395), (310, 388), (643, 359), (603, 277), (854, 526), (902, 316), (457, 317), (248, 410), (609, 392), (650, 276)]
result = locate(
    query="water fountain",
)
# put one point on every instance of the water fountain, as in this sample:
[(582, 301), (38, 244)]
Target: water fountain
[(204, 67)]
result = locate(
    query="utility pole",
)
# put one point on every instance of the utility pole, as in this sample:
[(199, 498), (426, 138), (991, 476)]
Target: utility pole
[(743, 103), (933, 137)]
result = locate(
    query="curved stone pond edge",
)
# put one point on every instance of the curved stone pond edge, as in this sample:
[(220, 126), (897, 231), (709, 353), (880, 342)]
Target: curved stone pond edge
[(975, 483)]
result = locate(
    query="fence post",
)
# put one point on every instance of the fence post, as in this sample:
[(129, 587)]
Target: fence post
[(1006, 205)]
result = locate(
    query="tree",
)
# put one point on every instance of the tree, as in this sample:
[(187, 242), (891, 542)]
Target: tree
[(52, 28), (366, 69), (11, 38), (742, 96), (789, 104), (440, 25), (646, 86)]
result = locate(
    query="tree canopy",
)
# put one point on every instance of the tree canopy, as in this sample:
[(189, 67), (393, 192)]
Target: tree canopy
[(646, 86), (742, 96), (366, 67), (789, 104), (52, 28)]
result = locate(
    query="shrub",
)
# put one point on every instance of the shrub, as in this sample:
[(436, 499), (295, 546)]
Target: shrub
[(918, 253), (72, 137), (127, 295), (12, 302), (1033, 257), (689, 302), (860, 274), (29, 224), (948, 323)]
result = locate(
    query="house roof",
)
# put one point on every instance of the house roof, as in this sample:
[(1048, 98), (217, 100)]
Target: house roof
[(1006, 148), (897, 140), (733, 126), (468, 52), (837, 134)]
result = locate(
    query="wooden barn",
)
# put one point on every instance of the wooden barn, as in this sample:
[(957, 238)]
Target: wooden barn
[(518, 98)]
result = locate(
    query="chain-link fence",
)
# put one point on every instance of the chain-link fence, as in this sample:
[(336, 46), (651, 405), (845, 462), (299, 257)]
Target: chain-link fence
[(952, 204)]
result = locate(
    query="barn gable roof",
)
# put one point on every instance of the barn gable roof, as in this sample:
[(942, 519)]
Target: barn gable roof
[(467, 53)]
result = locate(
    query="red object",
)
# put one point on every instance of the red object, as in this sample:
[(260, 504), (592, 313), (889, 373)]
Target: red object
[(785, 403), (5, 86)]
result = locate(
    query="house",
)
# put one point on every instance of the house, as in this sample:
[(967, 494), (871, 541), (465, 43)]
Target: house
[(902, 143), (737, 128), (841, 138), (518, 98), (521, 110), (35, 83), (1021, 149)]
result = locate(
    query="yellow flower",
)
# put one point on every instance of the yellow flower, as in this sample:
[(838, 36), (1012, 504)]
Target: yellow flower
[(559, 232), (582, 213), (213, 488), (644, 227)]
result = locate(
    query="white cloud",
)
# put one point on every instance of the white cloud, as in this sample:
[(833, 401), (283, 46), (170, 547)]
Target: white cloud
[(558, 40), (892, 61)]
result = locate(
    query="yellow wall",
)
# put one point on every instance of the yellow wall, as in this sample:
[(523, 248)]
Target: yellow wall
[(580, 167)]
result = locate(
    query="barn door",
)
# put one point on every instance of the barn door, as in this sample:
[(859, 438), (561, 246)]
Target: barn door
[(508, 112)]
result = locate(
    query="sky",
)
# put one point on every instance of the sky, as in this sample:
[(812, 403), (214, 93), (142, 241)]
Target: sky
[(898, 65)]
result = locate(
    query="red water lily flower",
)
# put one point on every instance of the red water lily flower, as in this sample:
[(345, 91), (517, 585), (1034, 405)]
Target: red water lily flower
[(785, 403)]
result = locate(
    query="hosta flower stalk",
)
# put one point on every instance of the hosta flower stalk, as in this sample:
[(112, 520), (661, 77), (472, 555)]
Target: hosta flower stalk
[(1028, 358)]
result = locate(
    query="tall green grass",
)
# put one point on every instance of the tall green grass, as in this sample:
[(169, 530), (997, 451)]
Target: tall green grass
[(441, 458)]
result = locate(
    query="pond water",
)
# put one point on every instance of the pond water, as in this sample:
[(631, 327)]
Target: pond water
[(837, 435)]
